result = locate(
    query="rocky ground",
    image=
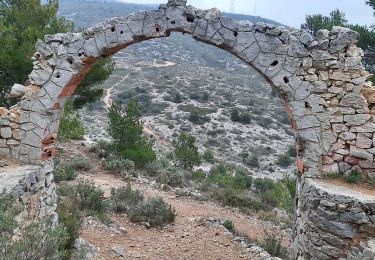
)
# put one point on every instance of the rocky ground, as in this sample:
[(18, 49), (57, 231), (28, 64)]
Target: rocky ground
[(196, 234)]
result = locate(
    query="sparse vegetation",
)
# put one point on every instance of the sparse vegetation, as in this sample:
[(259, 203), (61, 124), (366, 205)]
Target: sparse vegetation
[(353, 177), (208, 156), (272, 244), (153, 211), (124, 199), (228, 224), (243, 117), (40, 239), (127, 132), (186, 152), (81, 163), (70, 125), (284, 160), (119, 165)]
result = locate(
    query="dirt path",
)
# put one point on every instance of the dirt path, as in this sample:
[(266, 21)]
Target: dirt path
[(188, 238)]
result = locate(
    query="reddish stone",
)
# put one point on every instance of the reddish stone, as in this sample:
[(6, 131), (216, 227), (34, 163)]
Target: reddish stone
[(56, 106), (3, 111), (367, 165), (69, 89), (352, 160), (49, 140), (48, 153), (300, 165)]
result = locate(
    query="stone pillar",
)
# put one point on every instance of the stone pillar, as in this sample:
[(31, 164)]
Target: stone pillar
[(334, 222)]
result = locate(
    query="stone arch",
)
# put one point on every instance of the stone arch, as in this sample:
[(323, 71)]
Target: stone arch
[(321, 81)]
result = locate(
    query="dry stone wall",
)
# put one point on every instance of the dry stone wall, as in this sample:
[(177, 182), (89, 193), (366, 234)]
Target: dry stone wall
[(33, 188), (334, 223), (320, 79)]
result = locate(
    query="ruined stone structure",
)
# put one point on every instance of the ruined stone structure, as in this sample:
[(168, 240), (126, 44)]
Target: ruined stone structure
[(33, 188), (320, 80)]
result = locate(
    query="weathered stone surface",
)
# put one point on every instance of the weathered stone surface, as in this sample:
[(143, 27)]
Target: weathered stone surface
[(360, 153), (358, 119)]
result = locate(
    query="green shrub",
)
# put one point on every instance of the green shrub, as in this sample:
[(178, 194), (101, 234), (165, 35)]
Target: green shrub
[(243, 117), (186, 152), (272, 244), (81, 163), (70, 219), (253, 161), (208, 155), (228, 224), (126, 130), (89, 198), (284, 160), (234, 198), (292, 152), (263, 184), (155, 167), (291, 184), (102, 148), (154, 211), (119, 165), (242, 180), (353, 177), (124, 199), (40, 239), (70, 125), (170, 176), (64, 173), (199, 176)]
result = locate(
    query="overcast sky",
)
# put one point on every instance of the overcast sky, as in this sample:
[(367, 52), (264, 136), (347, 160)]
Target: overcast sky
[(288, 12)]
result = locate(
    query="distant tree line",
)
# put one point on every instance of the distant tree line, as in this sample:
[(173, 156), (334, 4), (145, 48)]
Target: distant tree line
[(22, 22), (366, 40)]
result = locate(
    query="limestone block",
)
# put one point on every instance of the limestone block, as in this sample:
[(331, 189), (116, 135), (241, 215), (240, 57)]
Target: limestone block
[(17, 91), (357, 119), (360, 153), (306, 38), (345, 37), (353, 100), (363, 141), (6, 132)]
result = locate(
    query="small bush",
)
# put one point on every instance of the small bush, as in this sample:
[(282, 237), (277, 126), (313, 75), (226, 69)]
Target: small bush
[(228, 224), (102, 148), (64, 173), (263, 184), (155, 167), (292, 151), (119, 165), (208, 156), (284, 160), (199, 176), (40, 239), (233, 198), (353, 177), (272, 244), (89, 198), (124, 199), (153, 211), (243, 117), (170, 176), (242, 180), (81, 163), (253, 161)]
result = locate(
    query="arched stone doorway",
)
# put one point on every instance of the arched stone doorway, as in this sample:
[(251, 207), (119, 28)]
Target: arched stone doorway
[(321, 82)]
